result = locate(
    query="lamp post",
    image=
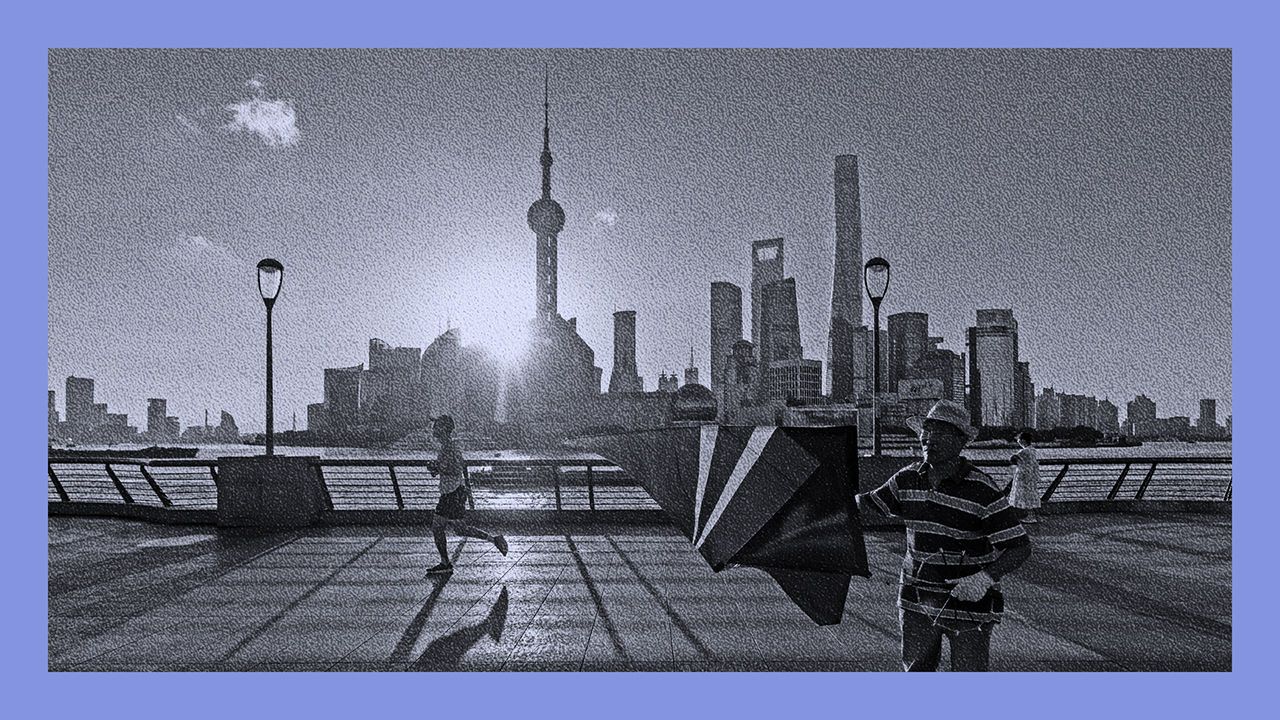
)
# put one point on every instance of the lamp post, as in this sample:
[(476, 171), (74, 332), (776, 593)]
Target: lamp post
[(875, 277), (270, 277)]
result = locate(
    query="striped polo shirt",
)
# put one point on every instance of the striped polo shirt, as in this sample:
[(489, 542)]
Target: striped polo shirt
[(953, 530)]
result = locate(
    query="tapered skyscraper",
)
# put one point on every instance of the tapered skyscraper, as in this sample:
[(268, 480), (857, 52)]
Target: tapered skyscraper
[(546, 219), (845, 359)]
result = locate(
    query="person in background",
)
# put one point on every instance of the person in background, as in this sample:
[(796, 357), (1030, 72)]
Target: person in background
[(1024, 491), (451, 509)]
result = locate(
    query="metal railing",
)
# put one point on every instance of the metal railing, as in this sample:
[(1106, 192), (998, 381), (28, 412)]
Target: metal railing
[(575, 484)]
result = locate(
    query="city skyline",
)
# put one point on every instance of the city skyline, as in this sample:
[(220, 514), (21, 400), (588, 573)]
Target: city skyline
[(269, 156)]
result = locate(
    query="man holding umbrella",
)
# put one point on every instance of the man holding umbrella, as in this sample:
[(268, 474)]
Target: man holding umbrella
[(962, 538)]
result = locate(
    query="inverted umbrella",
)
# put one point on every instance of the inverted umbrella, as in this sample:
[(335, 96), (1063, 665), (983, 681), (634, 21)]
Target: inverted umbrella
[(780, 499)]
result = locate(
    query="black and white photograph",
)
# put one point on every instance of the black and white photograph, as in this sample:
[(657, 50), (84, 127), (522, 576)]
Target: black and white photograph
[(639, 360)]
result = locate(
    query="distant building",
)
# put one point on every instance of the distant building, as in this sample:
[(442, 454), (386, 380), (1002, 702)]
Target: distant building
[(767, 258), (80, 408), (691, 372), (53, 411), (161, 427), (1025, 397), (908, 342), (943, 365), (726, 329), (993, 369), (1140, 409), (1207, 423), (1108, 417), (342, 394), (624, 378), (780, 328), (794, 379), (668, 383)]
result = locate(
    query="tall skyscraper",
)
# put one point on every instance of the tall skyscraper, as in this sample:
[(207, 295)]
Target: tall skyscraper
[(908, 341), (766, 268), (845, 358), (624, 377), (546, 219), (993, 369), (780, 326), (726, 329)]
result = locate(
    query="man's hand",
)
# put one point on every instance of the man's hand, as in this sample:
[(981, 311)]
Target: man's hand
[(973, 587)]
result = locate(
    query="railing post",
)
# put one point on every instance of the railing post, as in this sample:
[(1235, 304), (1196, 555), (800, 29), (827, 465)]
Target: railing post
[(213, 473), (1115, 490), (395, 485), (1056, 481), (155, 487), (555, 473), (591, 488), (324, 487), (124, 494), (1142, 489), (1227, 497), (57, 485)]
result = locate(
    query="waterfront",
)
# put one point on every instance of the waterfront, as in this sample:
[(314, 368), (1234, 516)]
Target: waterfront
[(1146, 450)]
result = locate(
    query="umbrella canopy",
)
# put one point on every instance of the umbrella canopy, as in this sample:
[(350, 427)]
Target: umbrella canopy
[(780, 499)]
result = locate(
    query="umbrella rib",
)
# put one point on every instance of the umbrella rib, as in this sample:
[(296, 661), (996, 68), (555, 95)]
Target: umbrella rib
[(750, 454), (705, 452)]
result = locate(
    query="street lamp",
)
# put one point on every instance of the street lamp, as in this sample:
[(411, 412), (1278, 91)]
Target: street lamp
[(270, 277), (875, 276)]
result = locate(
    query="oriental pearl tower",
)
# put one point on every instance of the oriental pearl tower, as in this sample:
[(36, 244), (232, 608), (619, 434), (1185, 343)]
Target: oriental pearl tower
[(546, 219)]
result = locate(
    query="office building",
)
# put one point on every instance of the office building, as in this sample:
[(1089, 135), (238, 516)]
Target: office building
[(993, 370)]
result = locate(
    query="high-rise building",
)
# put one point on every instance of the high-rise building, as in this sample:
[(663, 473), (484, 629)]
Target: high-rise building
[(1108, 417), (766, 268), (943, 365), (1141, 409), (993, 369), (908, 342), (79, 399), (624, 378), (1208, 420), (1048, 410), (1025, 397), (780, 328), (726, 329), (53, 410), (342, 397), (845, 358), (157, 414)]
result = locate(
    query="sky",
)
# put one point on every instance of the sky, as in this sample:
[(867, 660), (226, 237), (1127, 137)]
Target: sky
[(1089, 191)]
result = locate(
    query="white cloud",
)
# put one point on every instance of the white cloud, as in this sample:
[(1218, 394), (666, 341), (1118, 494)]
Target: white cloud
[(605, 218), (273, 121), (199, 246)]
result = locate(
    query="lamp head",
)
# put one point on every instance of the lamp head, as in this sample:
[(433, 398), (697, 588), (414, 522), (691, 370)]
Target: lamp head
[(876, 278), (270, 278)]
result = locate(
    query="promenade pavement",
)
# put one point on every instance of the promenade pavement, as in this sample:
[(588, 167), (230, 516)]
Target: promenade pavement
[(1104, 592)]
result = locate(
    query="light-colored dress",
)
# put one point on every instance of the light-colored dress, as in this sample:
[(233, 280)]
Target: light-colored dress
[(1025, 492)]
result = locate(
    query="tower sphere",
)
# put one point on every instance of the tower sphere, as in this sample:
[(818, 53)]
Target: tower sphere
[(546, 217)]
